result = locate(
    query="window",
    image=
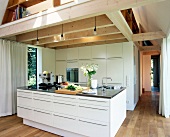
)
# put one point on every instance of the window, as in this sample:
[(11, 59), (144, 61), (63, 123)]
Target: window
[(32, 66)]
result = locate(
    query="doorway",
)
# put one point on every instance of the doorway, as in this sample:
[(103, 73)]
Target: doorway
[(155, 73)]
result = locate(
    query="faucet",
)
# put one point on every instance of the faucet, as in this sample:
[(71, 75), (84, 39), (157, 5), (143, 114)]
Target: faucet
[(106, 81)]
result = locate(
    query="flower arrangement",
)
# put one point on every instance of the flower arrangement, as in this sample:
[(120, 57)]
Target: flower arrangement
[(89, 70)]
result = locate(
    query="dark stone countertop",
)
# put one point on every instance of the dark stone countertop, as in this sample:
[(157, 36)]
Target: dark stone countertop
[(99, 93)]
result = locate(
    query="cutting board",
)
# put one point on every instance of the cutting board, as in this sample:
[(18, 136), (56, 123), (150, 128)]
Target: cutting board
[(66, 91)]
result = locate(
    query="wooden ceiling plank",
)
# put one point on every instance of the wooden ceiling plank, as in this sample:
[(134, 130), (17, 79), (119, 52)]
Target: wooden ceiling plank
[(148, 36), (93, 43), (71, 27), (76, 35), (120, 22), (86, 40)]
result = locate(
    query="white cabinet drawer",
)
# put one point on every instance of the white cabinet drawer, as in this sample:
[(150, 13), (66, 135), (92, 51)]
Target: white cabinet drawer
[(93, 101), (65, 122), (65, 107), (24, 101), (42, 95), (94, 112), (93, 128), (25, 113), (43, 117), (65, 98), (43, 104), (24, 93)]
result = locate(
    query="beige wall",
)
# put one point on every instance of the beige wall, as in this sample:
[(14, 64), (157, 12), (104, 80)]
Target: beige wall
[(146, 72), (48, 60)]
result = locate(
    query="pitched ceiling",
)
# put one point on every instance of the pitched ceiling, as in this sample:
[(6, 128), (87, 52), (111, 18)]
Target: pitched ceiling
[(154, 17)]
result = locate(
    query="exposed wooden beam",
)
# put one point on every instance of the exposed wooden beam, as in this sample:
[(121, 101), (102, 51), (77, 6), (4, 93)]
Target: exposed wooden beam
[(151, 52), (137, 45), (150, 48), (120, 22), (76, 26), (93, 43), (149, 36), (86, 40), (82, 9), (82, 34)]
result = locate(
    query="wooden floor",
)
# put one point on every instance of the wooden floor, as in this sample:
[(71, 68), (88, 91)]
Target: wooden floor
[(144, 121)]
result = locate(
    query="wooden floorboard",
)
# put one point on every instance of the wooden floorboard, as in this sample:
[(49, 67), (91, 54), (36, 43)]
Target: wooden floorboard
[(144, 121)]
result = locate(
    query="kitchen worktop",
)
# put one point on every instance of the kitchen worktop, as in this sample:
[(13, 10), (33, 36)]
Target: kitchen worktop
[(99, 93)]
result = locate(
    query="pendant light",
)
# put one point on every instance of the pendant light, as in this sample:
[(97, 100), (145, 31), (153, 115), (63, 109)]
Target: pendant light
[(95, 30), (62, 36), (37, 42)]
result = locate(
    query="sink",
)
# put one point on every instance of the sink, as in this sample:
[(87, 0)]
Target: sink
[(110, 87)]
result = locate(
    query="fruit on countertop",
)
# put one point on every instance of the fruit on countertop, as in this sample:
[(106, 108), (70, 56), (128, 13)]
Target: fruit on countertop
[(65, 83)]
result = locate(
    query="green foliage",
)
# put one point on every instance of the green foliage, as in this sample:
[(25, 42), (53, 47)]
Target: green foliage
[(32, 65)]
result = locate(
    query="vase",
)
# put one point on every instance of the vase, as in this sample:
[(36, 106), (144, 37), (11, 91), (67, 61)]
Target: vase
[(89, 81)]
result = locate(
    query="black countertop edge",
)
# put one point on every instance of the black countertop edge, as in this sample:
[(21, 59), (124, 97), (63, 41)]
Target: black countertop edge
[(107, 94), (103, 96)]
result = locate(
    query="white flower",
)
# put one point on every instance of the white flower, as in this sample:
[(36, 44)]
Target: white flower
[(89, 69)]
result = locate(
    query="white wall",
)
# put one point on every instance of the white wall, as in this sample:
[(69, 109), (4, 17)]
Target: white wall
[(128, 56), (146, 72), (48, 60), (136, 75), (3, 4)]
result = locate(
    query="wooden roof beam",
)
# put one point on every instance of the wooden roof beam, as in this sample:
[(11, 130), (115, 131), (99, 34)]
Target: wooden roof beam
[(93, 43), (79, 10), (77, 35), (120, 22), (86, 40), (76, 26), (148, 36), (150, 48)]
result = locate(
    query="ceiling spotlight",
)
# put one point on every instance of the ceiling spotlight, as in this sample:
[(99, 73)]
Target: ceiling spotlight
[(37, 42), (95, 29)]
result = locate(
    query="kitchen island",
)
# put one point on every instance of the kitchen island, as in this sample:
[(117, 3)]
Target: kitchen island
[(93, 115)]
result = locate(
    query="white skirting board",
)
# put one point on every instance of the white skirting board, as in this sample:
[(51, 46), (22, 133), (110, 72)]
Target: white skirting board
[(53, 130)]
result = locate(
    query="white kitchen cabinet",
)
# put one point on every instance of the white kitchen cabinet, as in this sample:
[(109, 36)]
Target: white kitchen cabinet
[(24, 93), (82, 78), (69, 108), (97, 129), (115, 70), (43, 117), (25, 101), (101, 72), (42, 104), (99, 52), (93, 101), (90, 111), (25, 112), (61, 54), (65, 122), (72, 53), (72, 64), (61, 68), (78, 115), (114, 50), (85, 52), (24, 98)]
